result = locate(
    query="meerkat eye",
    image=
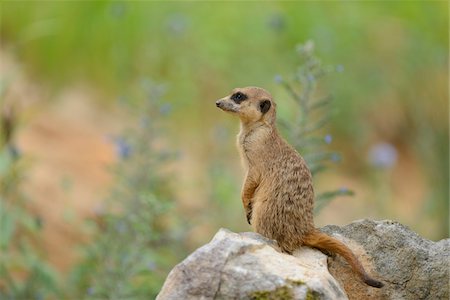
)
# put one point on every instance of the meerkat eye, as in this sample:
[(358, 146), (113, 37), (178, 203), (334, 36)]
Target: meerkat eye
[(238, 97)]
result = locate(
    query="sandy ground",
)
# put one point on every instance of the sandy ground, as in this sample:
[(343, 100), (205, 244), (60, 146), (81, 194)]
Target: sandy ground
[(68, 179)]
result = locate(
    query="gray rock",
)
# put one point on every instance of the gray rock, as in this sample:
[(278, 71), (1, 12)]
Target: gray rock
[(411, 267), (248, 266)]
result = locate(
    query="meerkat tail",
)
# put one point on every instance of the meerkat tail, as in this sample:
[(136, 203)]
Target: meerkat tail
[(322, 241)]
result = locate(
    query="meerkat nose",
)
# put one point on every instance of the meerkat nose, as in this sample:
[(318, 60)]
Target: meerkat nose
[(218, 103)]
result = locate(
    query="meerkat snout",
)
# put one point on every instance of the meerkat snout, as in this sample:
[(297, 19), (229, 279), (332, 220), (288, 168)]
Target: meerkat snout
[(226, 105)]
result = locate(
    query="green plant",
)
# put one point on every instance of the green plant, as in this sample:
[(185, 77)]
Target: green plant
[(136, 243), (24, 274), (312, 114)]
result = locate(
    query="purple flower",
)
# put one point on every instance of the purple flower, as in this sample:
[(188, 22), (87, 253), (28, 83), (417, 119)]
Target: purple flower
[(90, 290), (383, 155), (343, 190), (335, 157), (278, 78), (276, 22), (339, 68), (13, 151), (123, 148), (165, 109), (328, 139)]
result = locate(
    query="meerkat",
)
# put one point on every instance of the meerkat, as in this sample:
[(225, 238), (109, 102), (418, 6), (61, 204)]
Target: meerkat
[(278, 194)]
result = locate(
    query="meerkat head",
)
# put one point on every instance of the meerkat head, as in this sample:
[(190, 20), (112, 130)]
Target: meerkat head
[(251, 104)]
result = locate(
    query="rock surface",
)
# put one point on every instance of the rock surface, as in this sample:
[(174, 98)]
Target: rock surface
[(410, 266), (248, 266)]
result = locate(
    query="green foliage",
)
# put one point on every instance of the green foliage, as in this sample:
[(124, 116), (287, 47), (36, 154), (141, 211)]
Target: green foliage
[(24, 273), (136, 243), (312, 114)]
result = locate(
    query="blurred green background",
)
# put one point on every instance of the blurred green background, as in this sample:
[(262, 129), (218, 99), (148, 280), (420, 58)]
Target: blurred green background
[(78, 75)]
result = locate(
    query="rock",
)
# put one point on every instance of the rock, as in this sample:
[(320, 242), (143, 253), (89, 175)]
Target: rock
[(248, 266), (410, 267)]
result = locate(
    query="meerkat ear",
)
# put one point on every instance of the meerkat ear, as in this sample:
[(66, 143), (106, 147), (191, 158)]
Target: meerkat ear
[(264, 106)]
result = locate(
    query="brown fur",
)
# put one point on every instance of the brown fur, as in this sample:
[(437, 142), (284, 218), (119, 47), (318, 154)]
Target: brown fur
[(278, 194)]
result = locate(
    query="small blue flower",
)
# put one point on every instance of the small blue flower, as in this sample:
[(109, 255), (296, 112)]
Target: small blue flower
[(14, 151), (123, 148), (328, 139), (278, 78), (339, 68), (343, 190), (335, 157), (383, 155), (276, 22), (151, 266), (90, 290), (165, 109)]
